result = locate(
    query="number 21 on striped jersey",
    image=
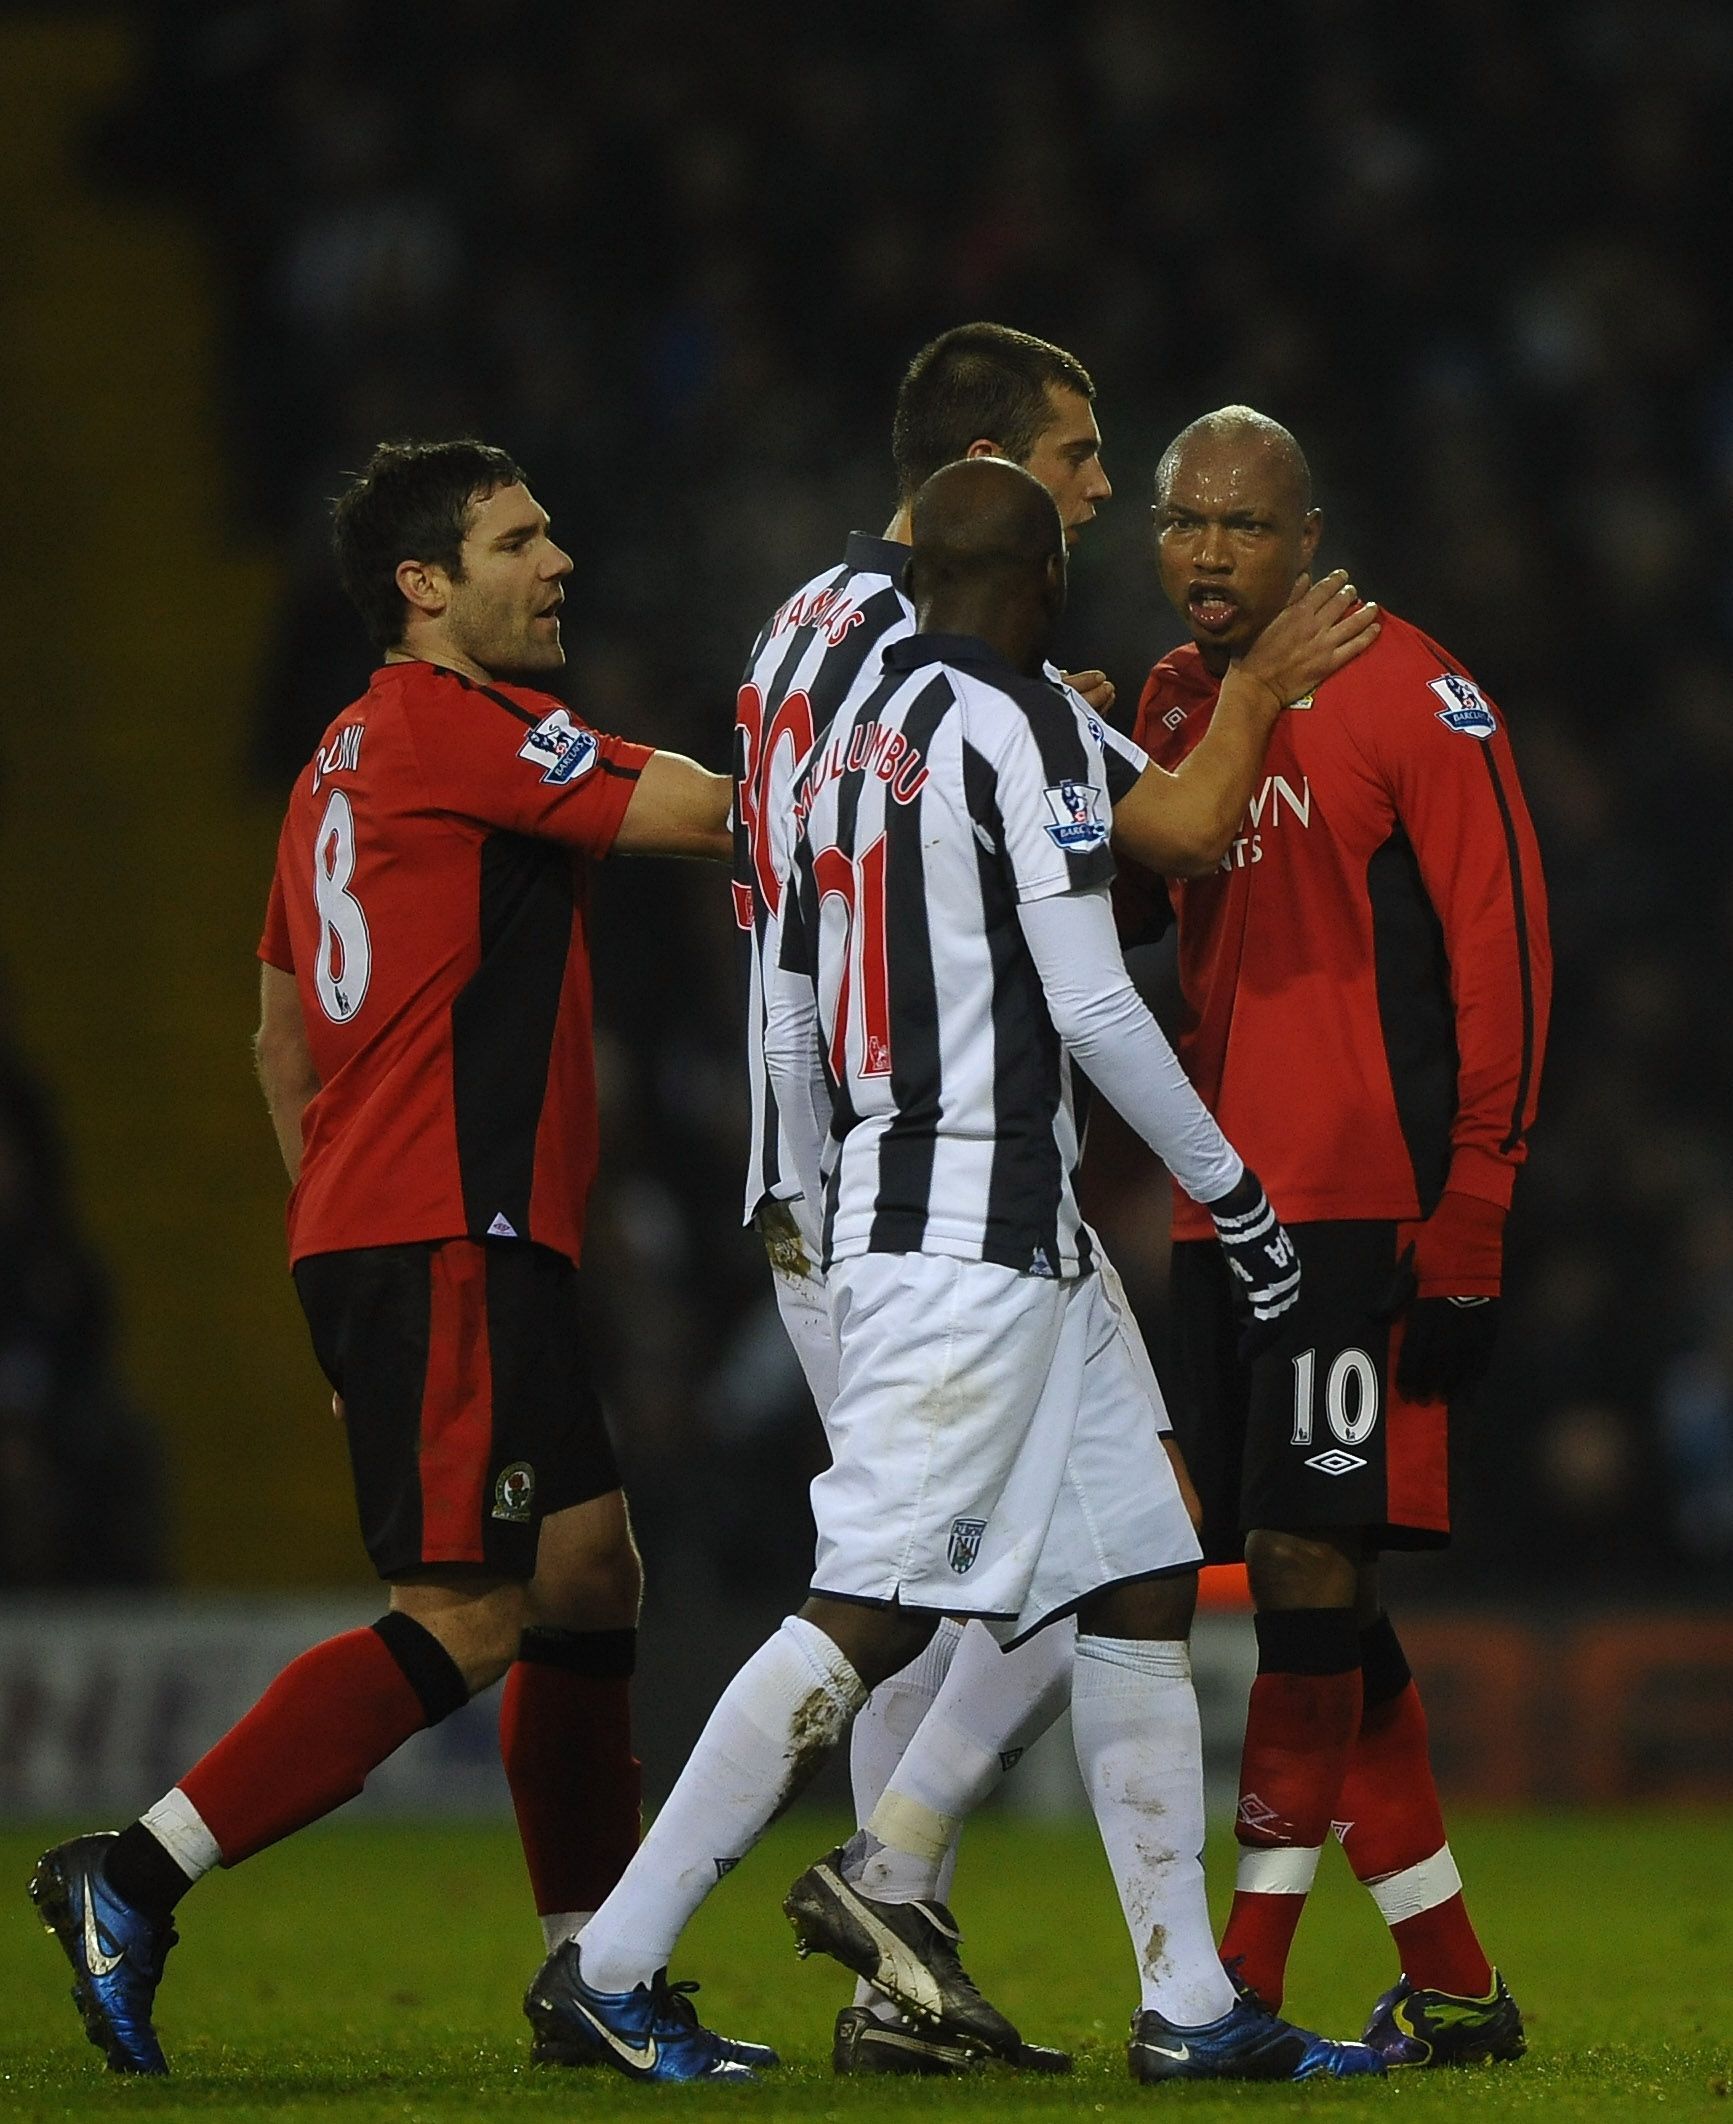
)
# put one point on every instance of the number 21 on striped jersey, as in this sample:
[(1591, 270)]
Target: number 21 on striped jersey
[(859, 882)]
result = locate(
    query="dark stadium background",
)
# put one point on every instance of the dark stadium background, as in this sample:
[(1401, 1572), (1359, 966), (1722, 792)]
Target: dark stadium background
[(673, 257)]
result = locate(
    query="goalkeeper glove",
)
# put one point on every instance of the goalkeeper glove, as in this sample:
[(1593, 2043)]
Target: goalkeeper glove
[(1447, 1282), (1262, 1259)]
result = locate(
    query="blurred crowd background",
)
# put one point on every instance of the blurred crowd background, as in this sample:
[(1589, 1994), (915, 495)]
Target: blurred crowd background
[(674, 259)]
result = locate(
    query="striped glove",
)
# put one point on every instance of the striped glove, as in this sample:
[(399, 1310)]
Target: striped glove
[(1262, 1259)]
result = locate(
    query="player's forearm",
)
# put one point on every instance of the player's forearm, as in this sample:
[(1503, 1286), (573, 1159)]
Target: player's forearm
[(1182, 824), (680, 809), (1481, 870), (1108, 1029), (791, 1060), (290, 1088)]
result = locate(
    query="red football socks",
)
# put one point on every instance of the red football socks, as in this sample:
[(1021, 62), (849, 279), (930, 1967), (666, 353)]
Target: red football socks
[(328, 1719), (1300, 1730), (1393, 1830), (565, 1734)]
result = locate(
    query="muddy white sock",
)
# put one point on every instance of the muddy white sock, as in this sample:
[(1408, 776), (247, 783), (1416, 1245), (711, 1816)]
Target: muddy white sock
[(777, 1721), (1134, 1722), (992, 1705)]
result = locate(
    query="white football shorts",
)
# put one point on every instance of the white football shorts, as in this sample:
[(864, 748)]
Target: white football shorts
[(995, 1441)]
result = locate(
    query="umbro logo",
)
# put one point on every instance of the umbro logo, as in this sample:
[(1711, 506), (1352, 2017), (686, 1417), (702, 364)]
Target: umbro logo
[(1335, 1462)]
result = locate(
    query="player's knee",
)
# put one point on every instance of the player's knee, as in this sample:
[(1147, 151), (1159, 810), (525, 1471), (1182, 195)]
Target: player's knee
[(479, 1632), (1288, 1570), (876, 1642), (1151, 1608), (588, 1576), (599, 1588)]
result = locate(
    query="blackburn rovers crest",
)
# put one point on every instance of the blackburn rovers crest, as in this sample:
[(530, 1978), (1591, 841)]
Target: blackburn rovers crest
[(514, 1491), (965, 1543)]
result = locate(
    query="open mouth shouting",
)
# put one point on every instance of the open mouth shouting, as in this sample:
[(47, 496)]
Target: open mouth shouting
[(1212, 608)]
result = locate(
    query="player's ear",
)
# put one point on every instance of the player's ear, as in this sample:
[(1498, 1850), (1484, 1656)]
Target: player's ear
[(424, 587), (1311, 530), (981, 447)]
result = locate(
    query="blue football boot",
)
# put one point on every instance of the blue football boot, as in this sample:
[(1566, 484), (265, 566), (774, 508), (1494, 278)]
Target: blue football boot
[(650, 2033), (116, 1952), (1413, 2027), (1245, 2044)]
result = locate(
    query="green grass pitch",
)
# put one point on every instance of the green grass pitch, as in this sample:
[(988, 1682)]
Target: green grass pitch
[(375, 1973)]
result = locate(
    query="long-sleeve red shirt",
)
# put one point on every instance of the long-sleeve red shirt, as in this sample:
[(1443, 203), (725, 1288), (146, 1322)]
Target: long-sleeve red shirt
[(1367, 975)]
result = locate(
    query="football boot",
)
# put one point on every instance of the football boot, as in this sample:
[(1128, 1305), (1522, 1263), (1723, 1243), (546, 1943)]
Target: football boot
[(1245, 2044), (116, 1951), (906, 1950), (865, 2043), (649, 2033), (1414, 2027)]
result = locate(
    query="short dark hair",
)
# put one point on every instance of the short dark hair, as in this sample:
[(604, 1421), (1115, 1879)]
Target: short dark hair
[(977, 382), (412, 501)]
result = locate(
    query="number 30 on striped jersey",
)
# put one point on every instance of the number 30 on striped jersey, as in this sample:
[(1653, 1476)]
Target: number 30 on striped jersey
[(860, 885), (345, 962), (789, 727)]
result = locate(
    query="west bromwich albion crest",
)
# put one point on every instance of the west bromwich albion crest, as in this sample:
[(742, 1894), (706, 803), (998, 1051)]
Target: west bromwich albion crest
[(965, 1543)]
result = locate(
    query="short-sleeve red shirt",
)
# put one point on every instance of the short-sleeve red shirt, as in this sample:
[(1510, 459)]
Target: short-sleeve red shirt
[(430, 900)]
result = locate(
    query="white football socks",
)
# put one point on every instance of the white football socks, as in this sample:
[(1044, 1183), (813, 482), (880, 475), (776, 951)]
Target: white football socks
[(875, 1747), (558, 1926), (992, 1706), (1134, 1722), (775, 1724), (893, 1715)]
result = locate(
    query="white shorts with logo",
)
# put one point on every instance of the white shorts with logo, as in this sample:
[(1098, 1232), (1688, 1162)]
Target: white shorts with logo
[(995, 1440)]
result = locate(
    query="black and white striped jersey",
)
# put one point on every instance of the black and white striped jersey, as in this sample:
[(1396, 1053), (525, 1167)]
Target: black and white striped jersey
[(945, 794), (816, 650), (812, 653)]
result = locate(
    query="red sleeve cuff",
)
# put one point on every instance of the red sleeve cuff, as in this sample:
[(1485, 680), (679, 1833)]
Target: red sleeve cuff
[(1481, 1173)]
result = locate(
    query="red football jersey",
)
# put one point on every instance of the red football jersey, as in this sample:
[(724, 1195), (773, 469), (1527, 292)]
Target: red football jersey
[(1367, 975), (429, 899)]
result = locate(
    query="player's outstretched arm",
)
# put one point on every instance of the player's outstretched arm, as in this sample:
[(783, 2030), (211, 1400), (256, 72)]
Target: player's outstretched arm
[(1108, 1029), (285, 1061), (1106, 1025), (1182, 824), (678, 809)]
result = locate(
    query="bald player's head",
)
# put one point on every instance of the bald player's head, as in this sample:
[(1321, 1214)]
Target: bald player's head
[(1241, 432), (988, 556), (1235, 525)]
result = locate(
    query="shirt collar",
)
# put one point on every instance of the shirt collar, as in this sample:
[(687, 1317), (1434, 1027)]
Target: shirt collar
[(866, 555), (967, 651)]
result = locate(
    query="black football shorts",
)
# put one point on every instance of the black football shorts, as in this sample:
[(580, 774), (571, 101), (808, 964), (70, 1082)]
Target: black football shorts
[(1312, 1435), (467, 1400)]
